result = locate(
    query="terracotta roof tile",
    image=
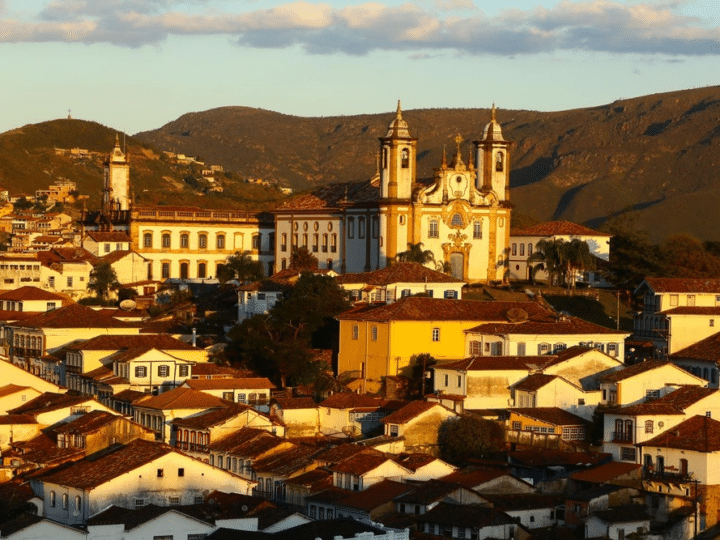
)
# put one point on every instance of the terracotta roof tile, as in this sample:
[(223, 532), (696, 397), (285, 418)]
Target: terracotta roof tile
[(10, 389), (468, 515), (414, 461), (255, 383), (558, 228), (707, 350), (29, 293), (401, 272), (348, 400), (684, 285), (376, 495), (673, 403), (524, 501), (633, 370), (546, 323), (73, 316), (248, 442), (184, 398), (96, 470), (89, 422), (692, 310), (286, 462), (131, 341), (605, 473), (552, 415), (360, 464), (50, 401), (132, 396), (333, 196), (100, 236), (533, 382), (212, 417), (499, 363), (413, 308), (342, 452), (203, 369), (296, 403), (411, 411), (699, 433), (9, 419)]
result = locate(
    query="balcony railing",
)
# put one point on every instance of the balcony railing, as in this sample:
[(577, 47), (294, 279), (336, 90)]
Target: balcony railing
[(191, 447), (622, 436), (666, 475)]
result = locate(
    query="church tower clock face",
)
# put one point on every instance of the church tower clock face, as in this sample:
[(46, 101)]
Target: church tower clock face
[(459, 186)]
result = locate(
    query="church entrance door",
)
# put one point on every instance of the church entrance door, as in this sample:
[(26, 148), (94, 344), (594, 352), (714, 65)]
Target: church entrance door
[(457, 265)]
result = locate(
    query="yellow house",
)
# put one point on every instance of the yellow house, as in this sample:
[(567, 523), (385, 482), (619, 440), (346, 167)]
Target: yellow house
[(376, 342)]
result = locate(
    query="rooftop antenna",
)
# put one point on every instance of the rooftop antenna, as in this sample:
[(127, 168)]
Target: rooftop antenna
[(69, 115)]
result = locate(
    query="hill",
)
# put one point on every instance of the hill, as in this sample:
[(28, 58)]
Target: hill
[(655, 157), (36, 155)]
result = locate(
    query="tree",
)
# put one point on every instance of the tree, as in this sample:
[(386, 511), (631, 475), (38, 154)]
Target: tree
[(22, 204), (685, 256), (302, 259), (416, 254), (577, 258), (550, 253), (242, 267), (470, 437), (102, 279), (278, 345)]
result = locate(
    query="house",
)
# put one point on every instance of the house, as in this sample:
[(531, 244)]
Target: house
[(531, 510), (194, 435), (661, 300), (551, 466), (129, 266), (541, 390), (547, 421), (96, 430), (363, 470), (701, 359), (418, 424), (101, 243), (398, 281), (238, 451), (29, 526), (158, 412), (273, 470), (16, 427), (253, 391), (615, 523), (424, 466), (488, 480), (377, 500), (130, 476), (298, 488), (627, 428), (646, 380), (682, 463), (614, 472), (381, 341), (21, 377), (581, 504), (465, 520), (351, 415), (523, 244), (151, 521), (31, 299), (429, 494), (300, 416), (50, 408), (13, 395)]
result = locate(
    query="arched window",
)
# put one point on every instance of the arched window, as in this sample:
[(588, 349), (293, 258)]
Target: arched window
[(433, 231), (283, 242), (165, 240), (78, 502), (202, 241), (65, 501), (457, 220), (361, 227), (499, 161), (351, 227), (514, 249), (333, 243), (477, 229), (147, 240), (184, 240), (384, 157), (52, 499), (405, 158), (649, 426), (530, 248), (202, 270), (220, 241), (522, 250)]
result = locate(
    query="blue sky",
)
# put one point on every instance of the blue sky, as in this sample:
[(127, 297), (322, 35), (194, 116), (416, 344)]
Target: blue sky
[(135, 65)]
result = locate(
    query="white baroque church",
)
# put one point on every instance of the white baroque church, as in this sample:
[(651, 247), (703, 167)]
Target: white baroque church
[(461, 214)]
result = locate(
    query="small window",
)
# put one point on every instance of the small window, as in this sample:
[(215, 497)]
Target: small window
[(449, 294), (181, 471), (184, 371), (649, 426), (160, 473), (514, 249), (69, 281), (163, 371), (220, 241), (436, 334), (374, 333), (106, 247), (166, 240), (433, 231), (712, 323), (174, 501), (141, 372), (361, 227), (165, 270), (202, 241), (52, 499), (147, 240), (477, 229), (405, 162), (65, 501), (51, 306), (355, 331), (184, 240)]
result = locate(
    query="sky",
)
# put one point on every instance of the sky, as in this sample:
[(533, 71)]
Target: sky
[(135, 65)]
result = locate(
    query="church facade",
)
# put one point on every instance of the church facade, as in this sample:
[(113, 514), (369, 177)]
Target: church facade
[(461, 215)]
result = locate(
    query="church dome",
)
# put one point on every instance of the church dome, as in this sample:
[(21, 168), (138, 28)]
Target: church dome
[(398, 127), (492, 131)]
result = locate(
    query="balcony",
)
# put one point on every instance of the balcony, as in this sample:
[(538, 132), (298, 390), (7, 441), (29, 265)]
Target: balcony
[(666, 475), (191, 447), (622, 437)]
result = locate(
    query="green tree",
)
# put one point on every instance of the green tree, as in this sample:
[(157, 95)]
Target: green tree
[(278, 345), (242, 267), (302, 259), (551, 254), (470, 437), (418, 384), (578, 259), (416, 254), (102, 279), (22, 204), (685, 256)]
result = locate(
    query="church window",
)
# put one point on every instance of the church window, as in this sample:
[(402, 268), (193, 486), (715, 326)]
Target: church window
[(165, 270), (333, 243), (305, 241), (147, 240), (351, 227), (522, 250), (433, 232), (477, 229), (184, 240), (361, 227), (202, 241), (283, 242), (325, 243), (457, 220), (499, 162), (514, 249), (316, 242), (405, 158), (530, 249), (220, 241), (202, 270)]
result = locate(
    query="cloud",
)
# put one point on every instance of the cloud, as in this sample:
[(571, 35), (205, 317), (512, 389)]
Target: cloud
[(454, 25)]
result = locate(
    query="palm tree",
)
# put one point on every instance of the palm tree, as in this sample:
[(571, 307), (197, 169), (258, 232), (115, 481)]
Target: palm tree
[(578, 258), (416, 254), (551, 254), (242, 267)]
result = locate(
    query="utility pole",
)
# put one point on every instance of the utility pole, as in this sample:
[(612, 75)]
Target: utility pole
[(618, 310)]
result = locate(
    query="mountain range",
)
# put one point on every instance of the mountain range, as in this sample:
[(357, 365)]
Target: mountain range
[(651, 161)]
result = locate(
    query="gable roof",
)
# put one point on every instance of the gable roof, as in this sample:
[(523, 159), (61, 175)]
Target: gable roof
[(635, 369), (360, 464), (100, 468), (73, 316), (130, 341), (183, 398), (411, 411), (10, 389), (552, 415), (333, 196), (546, 323), (248, 442), (535, 381), (213, 417), (50, 401), (606, 472), (254, 383), (673, 403), (399, 272), (374, 496), (29, 292), (89, 422), (416, 308), (699, 433), (557, 228), (683, 285), (707, 350), (498, 363), (113, 236)]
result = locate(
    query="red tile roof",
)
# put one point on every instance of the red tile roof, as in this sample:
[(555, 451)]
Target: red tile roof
[(99, 236), (673, 403), (286, 462), (203, 369), (374, 496), (256, 383), (546, 323), (413, 308), (707, 350), (96, 470), (558, 228), (248, 442), (699, 433), (401, 272), (333, 196), (533, 382), (184, 398), (29, 293), (213, 417), (9, 419), (131, 341), (684, 285), (347, 400), (89, 422), (341, 452), (411, 411), (360, 464), (632, 371), (498, 363), (414, 461), (296, 403), (73, 316), (605, 473), (551, 415), (10, 389), (692, 310), (50, 401)]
